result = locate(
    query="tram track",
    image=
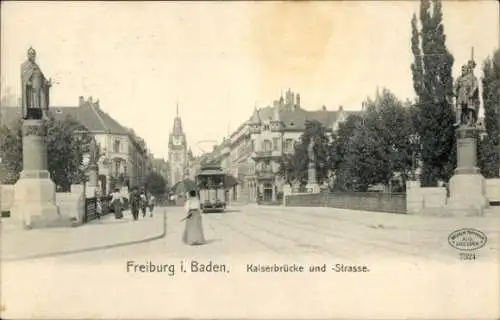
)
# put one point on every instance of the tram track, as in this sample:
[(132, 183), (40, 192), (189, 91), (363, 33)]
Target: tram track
[(299, 243), (265, 244), (362, 223), (315, 228), (295, 241), (370, 227)]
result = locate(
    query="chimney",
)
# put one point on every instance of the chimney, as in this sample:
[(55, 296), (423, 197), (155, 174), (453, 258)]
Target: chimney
[(97, 103), (297, 101), (341, 108), (90, 99), (81, 101), (323, 108)]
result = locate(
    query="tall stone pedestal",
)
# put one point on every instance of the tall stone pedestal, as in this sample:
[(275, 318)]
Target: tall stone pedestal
[(312, 185), (467, 186), (92, 185), (35, 193)]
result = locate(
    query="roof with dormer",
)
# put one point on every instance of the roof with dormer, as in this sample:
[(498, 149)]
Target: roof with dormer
[(296, 117), (89, 114)]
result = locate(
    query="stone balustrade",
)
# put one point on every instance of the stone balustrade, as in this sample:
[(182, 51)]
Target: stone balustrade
[(366, 201)]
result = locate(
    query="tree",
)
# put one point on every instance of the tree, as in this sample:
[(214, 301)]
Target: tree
[(433, 84), (156, 184), (489, 156), (371, 148), (295, 168), (389, 125), (291, 167), (345, 150), (11, 149), (67, 142)]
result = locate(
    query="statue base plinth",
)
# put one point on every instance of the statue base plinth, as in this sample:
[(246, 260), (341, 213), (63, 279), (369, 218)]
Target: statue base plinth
[(313, 188), (467, 186), (91, 191), (467, 195), (92, 175), (35, 202)]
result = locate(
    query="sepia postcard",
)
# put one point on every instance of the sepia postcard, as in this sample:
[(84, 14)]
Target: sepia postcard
[(250, 160)]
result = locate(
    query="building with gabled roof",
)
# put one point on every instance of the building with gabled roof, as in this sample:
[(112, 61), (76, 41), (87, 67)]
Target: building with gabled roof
[(124, 162), (252, 153)]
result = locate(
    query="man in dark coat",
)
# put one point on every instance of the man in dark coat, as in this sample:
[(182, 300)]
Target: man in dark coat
[(134, 202)]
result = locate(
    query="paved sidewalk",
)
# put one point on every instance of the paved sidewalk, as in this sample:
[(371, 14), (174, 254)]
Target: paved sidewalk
[(18, 244)]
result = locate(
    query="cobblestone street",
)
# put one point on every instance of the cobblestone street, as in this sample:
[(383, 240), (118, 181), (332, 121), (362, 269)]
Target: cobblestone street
[(93, 282)]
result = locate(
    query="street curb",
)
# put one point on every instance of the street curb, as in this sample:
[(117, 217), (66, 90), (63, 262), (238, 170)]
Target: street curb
[(96, 248)]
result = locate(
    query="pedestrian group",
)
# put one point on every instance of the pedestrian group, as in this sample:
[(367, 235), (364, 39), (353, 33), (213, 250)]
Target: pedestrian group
[(141, 201), (138, 201)]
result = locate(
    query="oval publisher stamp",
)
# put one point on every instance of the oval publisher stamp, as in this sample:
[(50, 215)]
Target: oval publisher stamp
[(467, 239)]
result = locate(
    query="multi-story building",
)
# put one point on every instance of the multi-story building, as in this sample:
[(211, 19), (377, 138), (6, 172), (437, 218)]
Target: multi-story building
[(178, 153), (124, 160), (253, 152)]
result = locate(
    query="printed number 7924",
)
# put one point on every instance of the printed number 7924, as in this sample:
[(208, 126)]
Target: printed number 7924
[(467, 256)]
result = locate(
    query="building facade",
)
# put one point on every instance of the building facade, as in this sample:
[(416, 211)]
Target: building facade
[(253, 152)]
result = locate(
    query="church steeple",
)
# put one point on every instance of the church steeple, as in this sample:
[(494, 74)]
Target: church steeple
[(179, 156), (177, 130)]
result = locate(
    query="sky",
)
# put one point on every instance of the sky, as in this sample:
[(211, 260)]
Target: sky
[(218, 60)]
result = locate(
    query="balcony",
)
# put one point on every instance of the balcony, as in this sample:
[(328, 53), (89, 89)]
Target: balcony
[(266, 154), (265, 174)]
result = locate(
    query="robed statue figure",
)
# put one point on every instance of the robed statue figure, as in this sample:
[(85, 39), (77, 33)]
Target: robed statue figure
[(310, 151), (34, 89), (95, 152)]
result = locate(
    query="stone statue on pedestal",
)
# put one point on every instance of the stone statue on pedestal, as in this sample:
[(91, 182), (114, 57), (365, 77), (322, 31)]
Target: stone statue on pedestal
[(467, 187), (467, 95), (312, 184), (35, 192), (34, 89), (310, 151), (93, 168)]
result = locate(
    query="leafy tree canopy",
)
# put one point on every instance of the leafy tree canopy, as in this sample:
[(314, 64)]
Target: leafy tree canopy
[(489, 157), (156, 184), (433, 84), (294, 168), (67, 142)]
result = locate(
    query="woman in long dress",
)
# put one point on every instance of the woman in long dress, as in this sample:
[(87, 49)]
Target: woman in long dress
[(116, 202), (193, 231)]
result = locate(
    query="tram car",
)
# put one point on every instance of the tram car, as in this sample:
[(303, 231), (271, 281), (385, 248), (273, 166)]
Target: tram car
[(212, 189)]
